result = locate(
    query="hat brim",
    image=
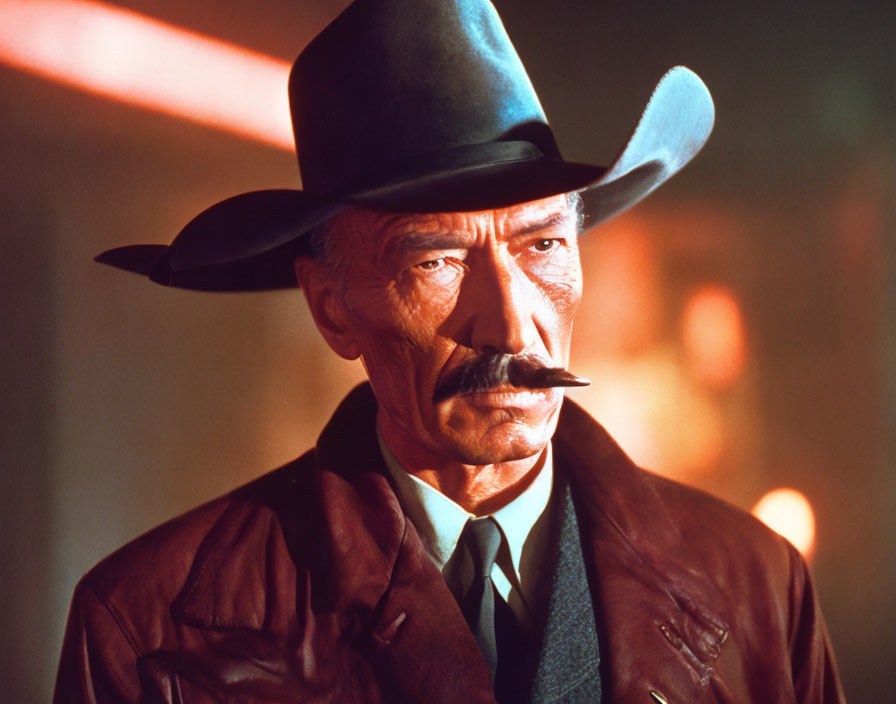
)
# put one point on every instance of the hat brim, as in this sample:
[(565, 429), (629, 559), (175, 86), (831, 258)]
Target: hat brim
[(248, 242)]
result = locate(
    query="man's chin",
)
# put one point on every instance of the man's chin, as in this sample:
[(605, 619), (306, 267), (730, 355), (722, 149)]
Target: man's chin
[(481, 457), (506, 442), (490, 428)]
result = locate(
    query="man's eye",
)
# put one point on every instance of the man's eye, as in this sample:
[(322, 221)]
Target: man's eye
[(431, 265), (545, 245)]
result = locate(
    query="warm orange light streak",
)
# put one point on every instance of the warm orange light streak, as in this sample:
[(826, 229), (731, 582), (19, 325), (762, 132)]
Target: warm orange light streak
[(713, 335), (789, 513), (139, 60)]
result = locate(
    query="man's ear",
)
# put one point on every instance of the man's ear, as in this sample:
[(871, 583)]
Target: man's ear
[(327, 306)]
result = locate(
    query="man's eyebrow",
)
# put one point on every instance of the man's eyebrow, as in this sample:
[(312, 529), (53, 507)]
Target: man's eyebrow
[(550, 221), (420, 241), (413, 241)]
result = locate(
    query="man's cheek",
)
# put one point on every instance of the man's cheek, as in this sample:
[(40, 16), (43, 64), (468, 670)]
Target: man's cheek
[(389, 372), (419, 320), (393, 354), (564, 298)]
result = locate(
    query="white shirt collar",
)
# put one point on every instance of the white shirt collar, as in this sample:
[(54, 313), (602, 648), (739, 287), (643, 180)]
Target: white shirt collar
[(440, 521), (518, 518)]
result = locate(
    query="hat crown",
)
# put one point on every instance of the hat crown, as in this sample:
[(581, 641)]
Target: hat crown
[(391, 81)]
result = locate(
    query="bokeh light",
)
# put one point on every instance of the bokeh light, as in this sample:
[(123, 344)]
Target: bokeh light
[(655, 412), (622, 316), (712, 331), (789, 513)]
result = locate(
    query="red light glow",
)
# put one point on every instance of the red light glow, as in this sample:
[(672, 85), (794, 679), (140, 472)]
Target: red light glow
[(713, 336), (789, 513), (138, 60)]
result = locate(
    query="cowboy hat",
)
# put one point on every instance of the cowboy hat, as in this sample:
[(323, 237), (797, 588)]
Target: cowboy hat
[(416, 106)]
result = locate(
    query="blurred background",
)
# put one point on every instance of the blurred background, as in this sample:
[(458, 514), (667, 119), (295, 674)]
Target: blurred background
[(738, 325)]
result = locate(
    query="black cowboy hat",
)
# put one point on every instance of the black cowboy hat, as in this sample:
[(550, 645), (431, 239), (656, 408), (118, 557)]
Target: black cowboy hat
[(415, 106)]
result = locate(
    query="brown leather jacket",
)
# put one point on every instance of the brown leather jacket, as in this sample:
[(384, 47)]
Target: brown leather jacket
[(309, 585)]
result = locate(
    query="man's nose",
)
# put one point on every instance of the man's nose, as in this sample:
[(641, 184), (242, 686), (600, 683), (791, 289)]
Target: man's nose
[(503, 308)]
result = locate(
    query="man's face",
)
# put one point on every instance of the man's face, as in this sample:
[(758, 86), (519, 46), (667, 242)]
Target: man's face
[(416, 295)]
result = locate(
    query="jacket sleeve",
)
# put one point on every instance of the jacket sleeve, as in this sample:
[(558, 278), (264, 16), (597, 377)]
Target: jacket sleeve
[(99, 660), (815, 677)]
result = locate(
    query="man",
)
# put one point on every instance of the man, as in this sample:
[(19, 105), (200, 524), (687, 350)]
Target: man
[(460, 533)]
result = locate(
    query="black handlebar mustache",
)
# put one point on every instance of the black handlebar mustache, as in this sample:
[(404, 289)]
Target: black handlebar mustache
[(491, 370)]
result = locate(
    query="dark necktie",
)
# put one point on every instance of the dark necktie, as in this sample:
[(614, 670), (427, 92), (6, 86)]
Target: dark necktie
[(482, 538)]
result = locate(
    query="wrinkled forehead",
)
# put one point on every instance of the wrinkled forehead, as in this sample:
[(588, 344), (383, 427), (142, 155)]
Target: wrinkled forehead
[(377, 232)]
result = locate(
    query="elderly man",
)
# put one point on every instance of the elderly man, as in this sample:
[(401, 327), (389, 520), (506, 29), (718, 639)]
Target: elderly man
[(460, 533)]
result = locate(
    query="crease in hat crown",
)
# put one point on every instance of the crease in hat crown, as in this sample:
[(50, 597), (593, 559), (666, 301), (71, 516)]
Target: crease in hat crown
[(415, 105)]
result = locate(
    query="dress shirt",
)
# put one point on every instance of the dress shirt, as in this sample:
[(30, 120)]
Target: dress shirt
[(524, 525)]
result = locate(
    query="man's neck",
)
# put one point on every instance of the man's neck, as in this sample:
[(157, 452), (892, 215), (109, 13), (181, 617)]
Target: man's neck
[(484, 489), (479, 489)]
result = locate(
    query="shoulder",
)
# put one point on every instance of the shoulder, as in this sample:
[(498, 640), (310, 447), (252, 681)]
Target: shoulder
[(138, 583), (704, 517), (679, 529), (725, 567), (708, 566), (737, 548)]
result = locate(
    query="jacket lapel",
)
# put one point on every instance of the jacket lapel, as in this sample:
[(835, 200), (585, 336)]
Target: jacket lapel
[(415, 634), (419, 642), (654, 632)]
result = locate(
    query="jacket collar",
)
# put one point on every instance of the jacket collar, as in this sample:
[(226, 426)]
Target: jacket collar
[(654, 630)]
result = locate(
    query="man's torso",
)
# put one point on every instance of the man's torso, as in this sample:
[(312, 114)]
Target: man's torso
[(310, 584)]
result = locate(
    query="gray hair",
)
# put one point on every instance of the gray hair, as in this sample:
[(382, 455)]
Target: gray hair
[(320, 244)]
